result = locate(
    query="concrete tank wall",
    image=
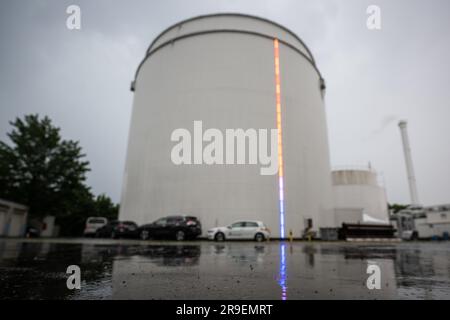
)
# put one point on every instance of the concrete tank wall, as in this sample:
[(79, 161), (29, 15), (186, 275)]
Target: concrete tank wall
[(227, 80), (359, 189)]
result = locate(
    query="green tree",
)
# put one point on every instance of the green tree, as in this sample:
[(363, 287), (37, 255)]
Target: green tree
[(87, 206), (48, 174), (41, 170), (395, 207), (104, 207)]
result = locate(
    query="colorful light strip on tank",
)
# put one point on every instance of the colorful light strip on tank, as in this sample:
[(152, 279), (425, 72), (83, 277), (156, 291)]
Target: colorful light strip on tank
[(280, 135)]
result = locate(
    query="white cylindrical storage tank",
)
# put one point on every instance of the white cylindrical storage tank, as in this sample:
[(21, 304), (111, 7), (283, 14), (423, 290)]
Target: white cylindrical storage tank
[(229, 71), (358, 189)]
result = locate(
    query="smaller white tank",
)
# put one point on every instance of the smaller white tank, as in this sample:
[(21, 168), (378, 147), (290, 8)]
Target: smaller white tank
[(358, 190)]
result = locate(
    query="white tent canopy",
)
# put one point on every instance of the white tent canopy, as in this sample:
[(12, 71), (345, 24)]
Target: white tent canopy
[(369, 219)]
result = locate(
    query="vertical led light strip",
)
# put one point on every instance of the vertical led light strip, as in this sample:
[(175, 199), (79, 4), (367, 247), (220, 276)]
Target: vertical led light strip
[(282, 281), (280, 135)]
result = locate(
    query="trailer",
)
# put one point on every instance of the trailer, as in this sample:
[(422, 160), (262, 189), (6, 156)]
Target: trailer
[(366, 231), (432, 222)]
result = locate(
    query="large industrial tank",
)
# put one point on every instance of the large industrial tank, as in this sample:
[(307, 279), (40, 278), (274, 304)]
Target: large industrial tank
[(358, 196), (229, 71)]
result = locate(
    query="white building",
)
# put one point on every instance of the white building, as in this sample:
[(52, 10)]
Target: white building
[(13, 219), (427, 222)]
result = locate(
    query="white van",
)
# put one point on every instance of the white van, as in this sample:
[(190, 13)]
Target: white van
[(93, 224)]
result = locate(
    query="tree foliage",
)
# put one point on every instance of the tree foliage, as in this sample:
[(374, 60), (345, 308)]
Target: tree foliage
[(395, 207), (47, 173)]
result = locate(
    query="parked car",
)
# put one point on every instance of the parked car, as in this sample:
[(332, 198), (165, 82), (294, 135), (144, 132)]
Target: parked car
[(118, 229), (93, 224), (32, 232), (240, 230), (34, 228), (173, 227)]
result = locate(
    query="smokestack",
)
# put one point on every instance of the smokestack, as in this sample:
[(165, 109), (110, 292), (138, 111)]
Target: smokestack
[(409, 164)]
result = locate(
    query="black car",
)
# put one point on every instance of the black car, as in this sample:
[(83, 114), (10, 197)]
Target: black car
[(174, 227), (118, 229)]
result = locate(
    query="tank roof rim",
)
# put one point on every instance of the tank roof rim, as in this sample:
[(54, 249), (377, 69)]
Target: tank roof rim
[(232, 14), (164, 44)]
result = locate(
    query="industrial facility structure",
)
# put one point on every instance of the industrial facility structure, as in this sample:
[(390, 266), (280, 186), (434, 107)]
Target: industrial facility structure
[(229, 71), (359, 197), (233, 71), (419, 222)]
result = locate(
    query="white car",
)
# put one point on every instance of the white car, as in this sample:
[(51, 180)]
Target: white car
[(93, 224), (240, 230)]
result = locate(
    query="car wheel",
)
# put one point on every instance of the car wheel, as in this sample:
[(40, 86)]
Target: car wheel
[(219, 237), (259, 237), (144, 235), (179, 235)]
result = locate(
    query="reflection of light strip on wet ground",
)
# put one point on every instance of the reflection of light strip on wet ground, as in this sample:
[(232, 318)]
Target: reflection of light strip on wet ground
[(280, 135), (282, 281)]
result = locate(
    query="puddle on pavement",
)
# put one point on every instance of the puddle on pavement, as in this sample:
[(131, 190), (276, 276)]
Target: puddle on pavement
[(207, 270)]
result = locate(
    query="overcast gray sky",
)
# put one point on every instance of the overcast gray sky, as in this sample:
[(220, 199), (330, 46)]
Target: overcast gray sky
[(81, 78)]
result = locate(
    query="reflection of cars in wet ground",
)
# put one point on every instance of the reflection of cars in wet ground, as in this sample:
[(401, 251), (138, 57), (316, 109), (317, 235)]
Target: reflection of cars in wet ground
[(174, 227), (117, 229), (241, 230), (162, 255), (93, 224), (243, 254), (173, 255), (35, 269)]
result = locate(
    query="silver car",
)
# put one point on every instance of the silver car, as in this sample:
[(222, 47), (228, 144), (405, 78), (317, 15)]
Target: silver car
[(240, 230)]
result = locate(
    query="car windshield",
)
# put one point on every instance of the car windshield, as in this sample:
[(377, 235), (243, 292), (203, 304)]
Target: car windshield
[(161, 221), (96, 221)]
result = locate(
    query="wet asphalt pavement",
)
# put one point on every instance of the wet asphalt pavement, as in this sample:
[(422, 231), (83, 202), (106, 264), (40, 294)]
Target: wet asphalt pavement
[(127, 269)]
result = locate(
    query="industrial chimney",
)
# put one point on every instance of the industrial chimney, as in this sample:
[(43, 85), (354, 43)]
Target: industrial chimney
[(409, 165)]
